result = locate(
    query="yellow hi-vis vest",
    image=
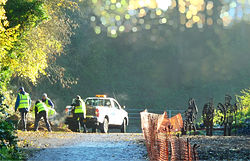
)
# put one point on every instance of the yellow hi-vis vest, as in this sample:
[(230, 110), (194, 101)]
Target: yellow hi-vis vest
[(47, 102), (41, 107), (51, 111), (24, 100), (81, 108)]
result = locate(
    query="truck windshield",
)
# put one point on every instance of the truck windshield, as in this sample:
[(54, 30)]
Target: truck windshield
[(95, 102)]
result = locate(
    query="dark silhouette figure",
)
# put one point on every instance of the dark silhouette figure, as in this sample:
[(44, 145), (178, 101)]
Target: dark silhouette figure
[(228, 110), (190, 115), (208, 116)]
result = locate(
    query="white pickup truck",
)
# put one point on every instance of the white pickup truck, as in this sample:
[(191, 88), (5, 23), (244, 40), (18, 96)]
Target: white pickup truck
[(102, 113)]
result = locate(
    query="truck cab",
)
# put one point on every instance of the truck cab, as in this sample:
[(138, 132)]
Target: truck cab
[(103, 113)]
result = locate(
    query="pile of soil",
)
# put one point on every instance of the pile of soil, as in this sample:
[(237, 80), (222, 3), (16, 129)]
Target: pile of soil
[(42, 127)]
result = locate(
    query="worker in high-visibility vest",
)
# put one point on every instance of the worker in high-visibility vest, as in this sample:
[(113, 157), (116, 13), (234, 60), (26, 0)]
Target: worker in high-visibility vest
[(51, 108), (47, 101), (41, 111), (79, 112), (23, 103)]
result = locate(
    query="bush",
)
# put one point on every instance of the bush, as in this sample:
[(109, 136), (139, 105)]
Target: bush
[(243, 114), (8, 138)]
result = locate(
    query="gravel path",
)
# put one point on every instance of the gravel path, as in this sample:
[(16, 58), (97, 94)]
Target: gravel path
[(76, 146), (222, 147), (71, 146)]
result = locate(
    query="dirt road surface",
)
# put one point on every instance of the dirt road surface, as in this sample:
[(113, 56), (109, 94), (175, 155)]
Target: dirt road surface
[(222, 147), (61, 146)]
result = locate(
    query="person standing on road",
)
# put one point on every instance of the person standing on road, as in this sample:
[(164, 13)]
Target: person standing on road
[(79, 112), (41, 111), (47, 101), (23, 103), (49, 104)]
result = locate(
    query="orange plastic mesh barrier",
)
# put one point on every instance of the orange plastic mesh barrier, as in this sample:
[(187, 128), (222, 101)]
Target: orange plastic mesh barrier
[(162, 144), (176, 123), (181, 150)]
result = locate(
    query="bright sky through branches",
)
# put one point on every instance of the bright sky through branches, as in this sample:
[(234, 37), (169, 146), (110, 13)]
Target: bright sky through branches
[(163, 4), (117, 16)]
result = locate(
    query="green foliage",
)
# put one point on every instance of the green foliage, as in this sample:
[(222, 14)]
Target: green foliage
[(244, 99), (26, 57), (32, 33), (242, 115), (8, 144), (25, 12), (244, 107), (8, 138), (7, 38), (3, 107), (218, 116), (5, 75)]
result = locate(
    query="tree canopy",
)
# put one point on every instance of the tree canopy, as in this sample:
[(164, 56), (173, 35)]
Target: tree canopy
[(32, 34)]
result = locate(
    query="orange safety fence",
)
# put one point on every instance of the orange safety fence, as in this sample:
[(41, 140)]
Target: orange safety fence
[(161, 143), (181, 150)]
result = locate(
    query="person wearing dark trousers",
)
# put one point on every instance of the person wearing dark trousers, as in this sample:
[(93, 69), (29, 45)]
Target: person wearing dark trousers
[(23, 103), (40, 111), (79, 112)]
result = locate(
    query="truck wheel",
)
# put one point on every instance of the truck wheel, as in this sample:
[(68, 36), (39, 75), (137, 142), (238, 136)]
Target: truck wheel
[(105, 126), (73, 127), (124, 126), (72, 124)]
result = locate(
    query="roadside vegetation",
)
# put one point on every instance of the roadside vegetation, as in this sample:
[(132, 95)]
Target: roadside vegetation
[(243, 114), (32, 33), (8, 138)]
